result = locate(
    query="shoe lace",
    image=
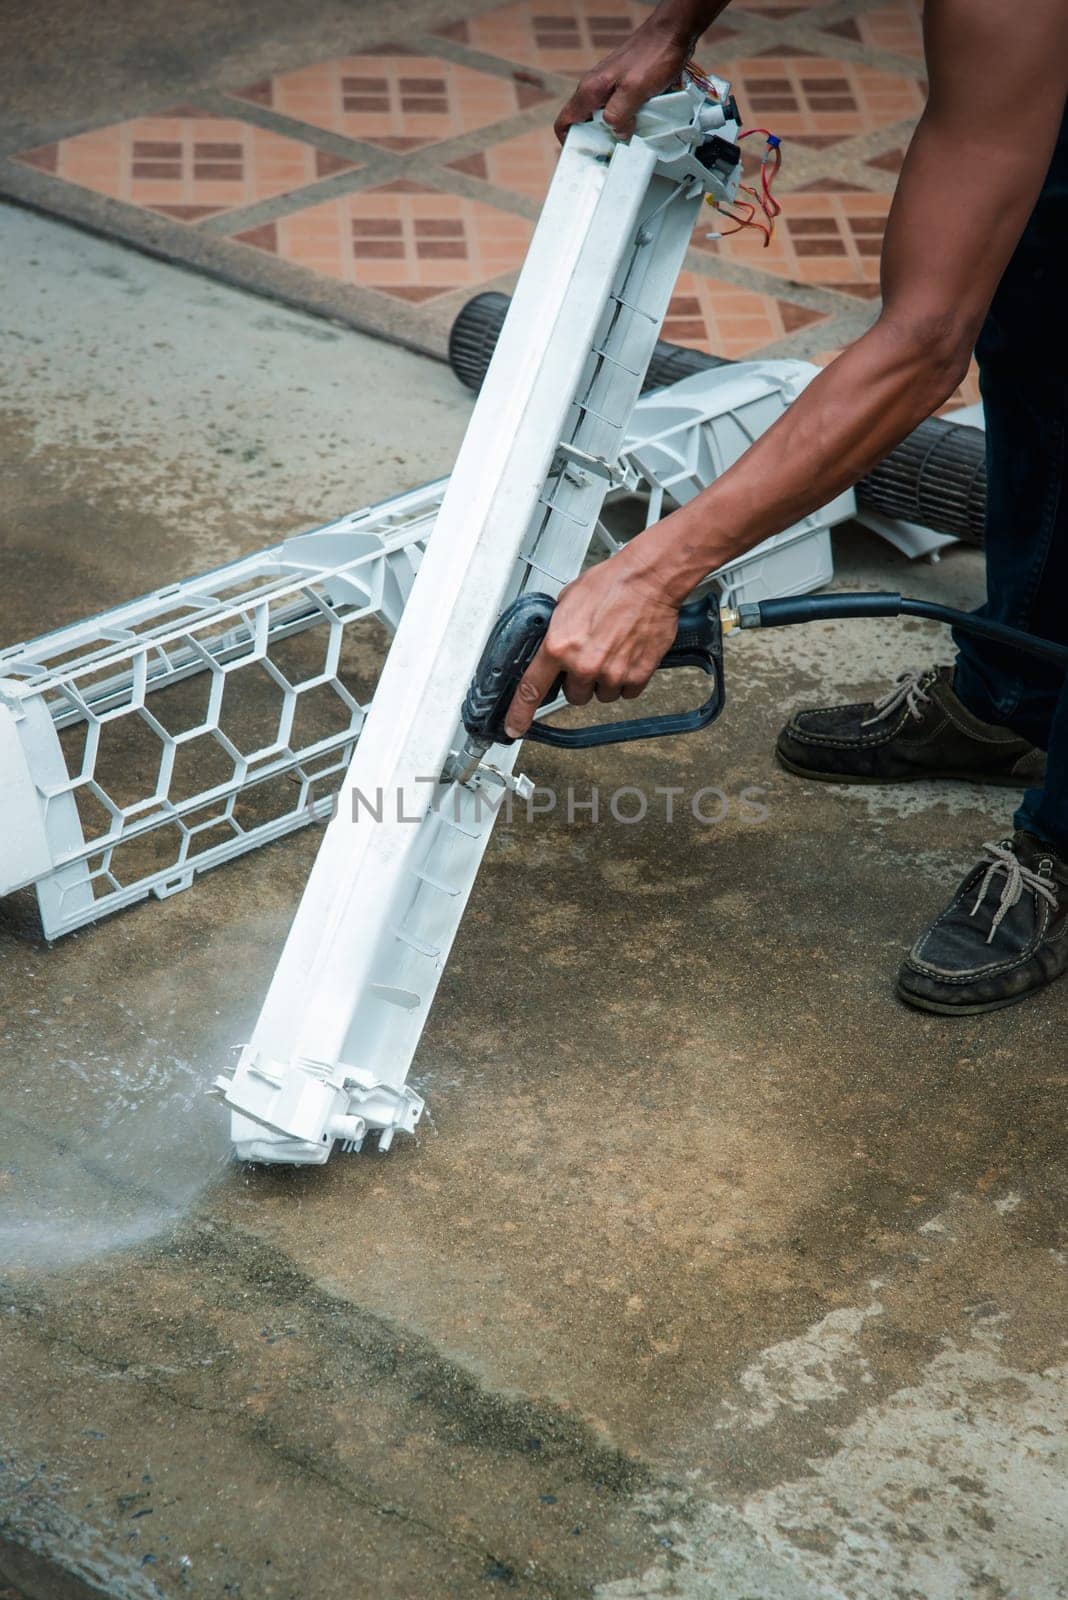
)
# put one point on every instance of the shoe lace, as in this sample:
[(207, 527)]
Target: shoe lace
[(1018, 877), (910, 690)]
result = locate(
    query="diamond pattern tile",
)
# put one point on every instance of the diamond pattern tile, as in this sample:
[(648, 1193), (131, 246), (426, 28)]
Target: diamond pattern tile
[(897, 28), (818, 100), (186, 164), (524, 164), (401, 238), (394, 99), (833, 239), (728, 321), (890, 161), (556, 35)]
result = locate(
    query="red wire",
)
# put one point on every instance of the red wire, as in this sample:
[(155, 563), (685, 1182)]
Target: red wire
[(744, 222), (765, 201), (771, 206), (770, 163), (759, 201)]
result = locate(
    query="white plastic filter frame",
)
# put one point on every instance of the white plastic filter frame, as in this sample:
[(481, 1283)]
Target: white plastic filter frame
[(110, 679), (330, 1054)]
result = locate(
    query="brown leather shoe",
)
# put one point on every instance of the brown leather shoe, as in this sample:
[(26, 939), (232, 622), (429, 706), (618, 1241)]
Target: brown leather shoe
[(918, 729), (1002, 936)]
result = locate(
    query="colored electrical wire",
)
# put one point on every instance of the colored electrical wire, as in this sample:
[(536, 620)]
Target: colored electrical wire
[(748, 221), (704, 83), (763, 200)]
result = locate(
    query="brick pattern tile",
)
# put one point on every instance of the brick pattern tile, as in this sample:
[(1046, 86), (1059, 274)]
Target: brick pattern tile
[(187, 165), (394, 99), (818, 100), (897, 28), (727, 321), (833, 239), (402, 239), (556, 35)]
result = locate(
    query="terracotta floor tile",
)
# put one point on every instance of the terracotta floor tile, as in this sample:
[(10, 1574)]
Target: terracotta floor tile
[(405, 240), (897, 27), (187, 165), (556, 35), (727, 321), (819, 99), (524, 164), (393, 98), (832, 239), (891, 161)]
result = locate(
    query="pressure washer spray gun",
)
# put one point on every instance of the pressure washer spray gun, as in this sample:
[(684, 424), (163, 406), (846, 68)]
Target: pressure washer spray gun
[(702, 625), (512, 646)]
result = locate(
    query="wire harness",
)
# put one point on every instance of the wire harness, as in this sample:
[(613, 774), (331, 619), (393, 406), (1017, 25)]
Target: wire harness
[(762, 199)]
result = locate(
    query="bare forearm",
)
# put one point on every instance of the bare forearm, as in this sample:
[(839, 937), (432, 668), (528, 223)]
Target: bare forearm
[(847, 419), (688, 19)]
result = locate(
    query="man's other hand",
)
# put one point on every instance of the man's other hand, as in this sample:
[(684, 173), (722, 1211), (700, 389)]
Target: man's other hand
[(649, 62), (610, 631)]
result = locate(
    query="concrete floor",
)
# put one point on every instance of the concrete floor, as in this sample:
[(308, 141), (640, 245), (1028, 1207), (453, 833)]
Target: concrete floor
[(712, 1271)]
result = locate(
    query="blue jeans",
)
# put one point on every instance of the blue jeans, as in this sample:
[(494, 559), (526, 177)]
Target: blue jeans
[(1023, 370)]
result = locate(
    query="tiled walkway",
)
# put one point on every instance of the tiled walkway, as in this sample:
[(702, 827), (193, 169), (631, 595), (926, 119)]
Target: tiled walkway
[(387, 186)]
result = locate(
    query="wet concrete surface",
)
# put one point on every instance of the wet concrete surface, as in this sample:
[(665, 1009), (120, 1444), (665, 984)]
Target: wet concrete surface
[(712, 1270)]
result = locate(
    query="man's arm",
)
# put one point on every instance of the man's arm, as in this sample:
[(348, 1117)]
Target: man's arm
[(970, 180)]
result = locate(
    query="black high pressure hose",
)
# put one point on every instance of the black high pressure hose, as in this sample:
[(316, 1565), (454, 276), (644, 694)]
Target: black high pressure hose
[(829, 607)]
